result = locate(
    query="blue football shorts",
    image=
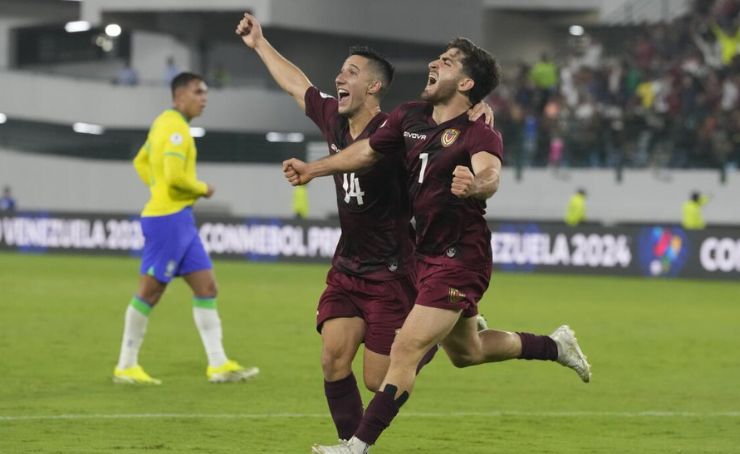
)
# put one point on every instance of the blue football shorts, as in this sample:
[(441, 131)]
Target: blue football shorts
[(172, 246)]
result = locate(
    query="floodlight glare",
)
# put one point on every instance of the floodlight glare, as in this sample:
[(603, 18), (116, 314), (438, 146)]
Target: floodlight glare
[(88, 128), (113, 30), (77, 26), (576, 30), (197, 132), (3, 118), (294, 137)]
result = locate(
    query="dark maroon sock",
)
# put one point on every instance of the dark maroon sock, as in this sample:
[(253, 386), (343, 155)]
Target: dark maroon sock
[(427, 358), (538, 347), (345, 405), (379, 414)]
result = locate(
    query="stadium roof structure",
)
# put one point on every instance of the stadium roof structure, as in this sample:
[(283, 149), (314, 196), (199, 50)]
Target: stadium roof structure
[(433, 20)]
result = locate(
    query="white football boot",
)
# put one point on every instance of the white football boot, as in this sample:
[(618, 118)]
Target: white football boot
[(569, 353), (353, 446)]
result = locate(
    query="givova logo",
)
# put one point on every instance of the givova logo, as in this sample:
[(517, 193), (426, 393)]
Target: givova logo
[(662, 251)]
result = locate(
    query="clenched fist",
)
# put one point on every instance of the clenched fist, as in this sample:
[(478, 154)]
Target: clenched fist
[(296, 172), (463, 182), (250, 30)]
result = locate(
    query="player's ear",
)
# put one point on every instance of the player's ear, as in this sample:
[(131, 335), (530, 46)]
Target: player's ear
[(375, 87), (465, 84)]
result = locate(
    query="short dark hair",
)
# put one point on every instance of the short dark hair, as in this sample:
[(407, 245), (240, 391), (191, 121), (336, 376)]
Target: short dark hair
[(380, 64), (480, 66), (695, 196), (182, 80)]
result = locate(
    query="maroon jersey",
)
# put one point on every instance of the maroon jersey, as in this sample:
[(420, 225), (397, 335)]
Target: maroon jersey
[(449, 230), (374, 210)]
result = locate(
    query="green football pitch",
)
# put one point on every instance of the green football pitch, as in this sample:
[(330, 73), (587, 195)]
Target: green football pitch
[(666, 367)]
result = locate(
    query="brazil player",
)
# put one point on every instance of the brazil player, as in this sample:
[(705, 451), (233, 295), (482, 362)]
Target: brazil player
[(453, 167), (370, 286), (172, 247)]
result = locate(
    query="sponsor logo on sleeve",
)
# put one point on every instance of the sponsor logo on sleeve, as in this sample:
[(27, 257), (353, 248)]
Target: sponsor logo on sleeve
[(176, 138)]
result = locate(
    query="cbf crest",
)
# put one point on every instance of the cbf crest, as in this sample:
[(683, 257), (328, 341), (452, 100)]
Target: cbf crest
[(449, 137)]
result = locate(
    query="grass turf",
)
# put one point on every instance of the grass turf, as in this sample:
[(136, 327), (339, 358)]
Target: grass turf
[(664, 356)]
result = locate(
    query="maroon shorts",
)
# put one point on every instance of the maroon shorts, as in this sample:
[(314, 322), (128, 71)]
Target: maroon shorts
[(383, 305), (455, 288)]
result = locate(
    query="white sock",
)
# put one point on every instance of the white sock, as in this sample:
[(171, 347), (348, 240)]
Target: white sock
[(209, 326), (134, 329)]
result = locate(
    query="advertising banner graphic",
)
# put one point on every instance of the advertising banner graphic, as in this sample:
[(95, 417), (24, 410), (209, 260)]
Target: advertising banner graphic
[(651, 250)]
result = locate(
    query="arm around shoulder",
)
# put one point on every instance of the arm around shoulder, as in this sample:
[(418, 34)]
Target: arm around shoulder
[(357, 156)]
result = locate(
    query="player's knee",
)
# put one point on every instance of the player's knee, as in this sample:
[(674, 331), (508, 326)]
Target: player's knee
[(407, 349), (208, 290), (151, 297), (334, 361), (373, 382), (463, 359), (212, 289)]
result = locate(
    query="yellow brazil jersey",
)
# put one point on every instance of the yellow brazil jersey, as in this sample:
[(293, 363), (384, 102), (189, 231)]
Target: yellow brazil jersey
[(166, 163)]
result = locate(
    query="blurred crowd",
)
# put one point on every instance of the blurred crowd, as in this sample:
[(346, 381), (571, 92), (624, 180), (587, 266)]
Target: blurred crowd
[(667, 97)]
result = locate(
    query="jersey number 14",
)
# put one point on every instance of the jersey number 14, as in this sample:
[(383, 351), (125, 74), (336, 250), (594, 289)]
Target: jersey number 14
[(352, 188)]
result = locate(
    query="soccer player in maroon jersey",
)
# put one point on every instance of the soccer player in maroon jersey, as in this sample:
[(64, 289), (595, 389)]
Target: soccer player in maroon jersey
[(453, 167), (370, 287)]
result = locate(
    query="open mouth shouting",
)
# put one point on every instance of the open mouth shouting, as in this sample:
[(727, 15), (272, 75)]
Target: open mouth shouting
[(342, 96), (432, 79)]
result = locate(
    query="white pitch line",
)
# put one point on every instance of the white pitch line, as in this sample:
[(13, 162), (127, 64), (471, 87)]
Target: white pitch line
[(555, 414)]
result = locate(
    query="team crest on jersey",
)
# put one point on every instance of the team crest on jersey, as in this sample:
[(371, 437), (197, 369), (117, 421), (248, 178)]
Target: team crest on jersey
[(449, 137), (455, 295), (176, 138)]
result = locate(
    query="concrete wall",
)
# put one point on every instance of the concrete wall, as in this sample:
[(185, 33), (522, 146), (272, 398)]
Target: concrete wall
[(411, 20), (431, 21), (515, 37), (56, 183), (149, 53), (65, 101), (643, 195)]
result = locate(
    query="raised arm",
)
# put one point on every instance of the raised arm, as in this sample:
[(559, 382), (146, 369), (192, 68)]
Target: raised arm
[(286, 74), (357, 156), (482, 182)]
